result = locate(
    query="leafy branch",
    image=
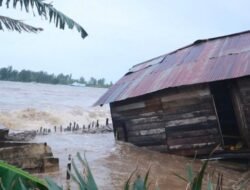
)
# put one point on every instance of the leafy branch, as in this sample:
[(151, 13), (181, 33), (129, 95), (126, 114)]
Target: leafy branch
[(16, 25), (45, 10)]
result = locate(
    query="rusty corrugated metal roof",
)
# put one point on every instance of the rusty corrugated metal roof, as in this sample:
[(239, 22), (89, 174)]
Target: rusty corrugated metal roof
[(214, 59)]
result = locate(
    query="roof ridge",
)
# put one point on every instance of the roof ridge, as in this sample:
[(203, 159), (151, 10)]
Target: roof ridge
[(199, 41)]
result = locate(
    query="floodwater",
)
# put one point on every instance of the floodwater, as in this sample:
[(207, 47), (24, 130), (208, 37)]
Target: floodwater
[(33, 105), (26, 106), (112, 162)]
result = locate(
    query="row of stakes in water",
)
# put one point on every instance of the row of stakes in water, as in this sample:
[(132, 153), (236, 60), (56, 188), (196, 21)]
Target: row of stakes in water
[(75, 127)]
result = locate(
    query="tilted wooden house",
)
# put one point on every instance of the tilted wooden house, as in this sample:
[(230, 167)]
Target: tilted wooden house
[(188, 100)]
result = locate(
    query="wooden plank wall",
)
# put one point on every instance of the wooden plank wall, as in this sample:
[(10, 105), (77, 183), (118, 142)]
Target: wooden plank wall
[(241, 94), (174, 121)]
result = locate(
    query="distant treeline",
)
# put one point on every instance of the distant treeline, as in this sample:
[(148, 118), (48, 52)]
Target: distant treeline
[(10, 74)]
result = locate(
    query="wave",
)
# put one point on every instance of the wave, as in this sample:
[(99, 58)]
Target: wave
[(33, 119)]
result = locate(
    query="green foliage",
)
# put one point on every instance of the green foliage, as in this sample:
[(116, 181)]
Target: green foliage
[(127, 183), (10, 74), (43, 9), (17, 179), (140, 183), (195, 181), (12, 24), (97, 83), (86, 180), (52, 185), (12, 178)]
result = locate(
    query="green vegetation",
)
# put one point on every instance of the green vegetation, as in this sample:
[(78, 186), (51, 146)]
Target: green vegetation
[(12, 178), (16, 179), (10, 74), (195, 181), (41, 8), (139, 183)]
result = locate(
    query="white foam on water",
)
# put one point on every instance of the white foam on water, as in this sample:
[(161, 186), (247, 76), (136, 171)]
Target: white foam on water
[(25, 106)]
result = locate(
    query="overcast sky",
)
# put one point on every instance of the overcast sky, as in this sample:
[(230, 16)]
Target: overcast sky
[(122, 33)]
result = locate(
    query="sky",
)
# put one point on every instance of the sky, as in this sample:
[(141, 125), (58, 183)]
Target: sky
[(122, 33)]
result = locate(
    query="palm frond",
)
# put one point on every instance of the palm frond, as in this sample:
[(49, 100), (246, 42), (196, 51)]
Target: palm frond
[(16, 25), (47, 11)]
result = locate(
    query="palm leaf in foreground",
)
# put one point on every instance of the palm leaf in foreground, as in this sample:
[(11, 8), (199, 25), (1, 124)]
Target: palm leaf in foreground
[(16, 25), (15, 179), (47, 11)]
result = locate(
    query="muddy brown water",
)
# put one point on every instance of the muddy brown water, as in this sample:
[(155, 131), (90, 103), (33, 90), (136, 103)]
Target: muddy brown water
[(112, 162)]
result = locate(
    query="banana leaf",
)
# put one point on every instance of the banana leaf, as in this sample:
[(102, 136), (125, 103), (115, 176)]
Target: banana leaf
[(14, 178)]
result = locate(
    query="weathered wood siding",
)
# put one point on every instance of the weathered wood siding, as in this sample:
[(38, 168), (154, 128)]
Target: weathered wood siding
[(241, 95), (176, 120)]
